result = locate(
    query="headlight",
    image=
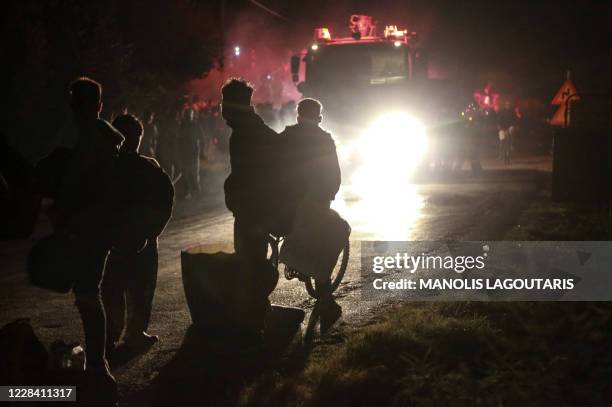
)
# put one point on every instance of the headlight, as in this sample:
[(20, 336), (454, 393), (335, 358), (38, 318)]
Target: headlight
[(390, 149), (383, 203)]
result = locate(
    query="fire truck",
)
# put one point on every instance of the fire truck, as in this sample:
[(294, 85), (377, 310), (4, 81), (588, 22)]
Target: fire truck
[(374, 88)]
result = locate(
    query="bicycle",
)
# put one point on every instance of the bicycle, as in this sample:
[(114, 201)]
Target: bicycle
[(336, 276)]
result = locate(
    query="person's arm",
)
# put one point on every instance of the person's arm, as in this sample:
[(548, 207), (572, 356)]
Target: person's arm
[(330, 171)]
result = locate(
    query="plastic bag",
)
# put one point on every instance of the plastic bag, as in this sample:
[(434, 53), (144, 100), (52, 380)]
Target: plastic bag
[(221, 295)]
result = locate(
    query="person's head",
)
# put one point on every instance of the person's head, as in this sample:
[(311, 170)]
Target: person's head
[(86, 97), (309, 111), (131, 128), (236, 95)]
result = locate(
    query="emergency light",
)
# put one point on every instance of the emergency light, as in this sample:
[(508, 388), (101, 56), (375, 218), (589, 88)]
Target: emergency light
[(392, 32), (322, 34)]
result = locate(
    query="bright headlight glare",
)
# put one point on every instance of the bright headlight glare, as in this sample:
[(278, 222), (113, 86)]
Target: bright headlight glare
[(390, 149)]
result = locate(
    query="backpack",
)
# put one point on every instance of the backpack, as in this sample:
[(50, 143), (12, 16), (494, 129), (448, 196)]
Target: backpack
[(146, 199)]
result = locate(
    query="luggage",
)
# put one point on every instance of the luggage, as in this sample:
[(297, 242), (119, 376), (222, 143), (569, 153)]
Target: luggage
[(222, 296), (319, 234)]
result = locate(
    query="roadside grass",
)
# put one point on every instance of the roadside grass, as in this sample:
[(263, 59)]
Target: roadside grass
[(476, 353), (459, 354), (548, 220)]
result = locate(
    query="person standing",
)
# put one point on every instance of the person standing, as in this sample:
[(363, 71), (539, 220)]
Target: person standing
[(147, 196), (252, 176), (190, 140), (249, 188), (506, 126), (166, 147), (148, 146), (84, 210)]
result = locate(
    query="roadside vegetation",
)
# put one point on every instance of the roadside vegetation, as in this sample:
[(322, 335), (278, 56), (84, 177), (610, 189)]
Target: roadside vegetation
[(500, 354), (548, 220)]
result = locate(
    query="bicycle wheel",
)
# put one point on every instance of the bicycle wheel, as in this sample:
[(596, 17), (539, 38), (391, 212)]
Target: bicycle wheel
[(336, 277)]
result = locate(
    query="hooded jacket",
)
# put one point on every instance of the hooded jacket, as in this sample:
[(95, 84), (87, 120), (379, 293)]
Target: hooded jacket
[(312, 168), (254, 157)]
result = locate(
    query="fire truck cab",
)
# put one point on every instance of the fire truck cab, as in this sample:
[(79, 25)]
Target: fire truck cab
[(377, 95), (363, 70)]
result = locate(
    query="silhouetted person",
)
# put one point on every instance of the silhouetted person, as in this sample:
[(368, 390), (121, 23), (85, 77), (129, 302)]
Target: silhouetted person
[(189, 142), (311, 156), (249, 189), (148, 145), (220, 132), (19, 203), (471, 146), (84, 209), (252, 154), (311, 178), (506, 125), (166, 148), (147, 195)]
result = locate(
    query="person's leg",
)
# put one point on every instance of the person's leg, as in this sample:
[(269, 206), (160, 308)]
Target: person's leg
[(329, 309), (113, 298), (510, 144), (507, 151), (250, 240), (196, 173), (140, 294), (251, 246), (89, 304), (323, 289), (99, 383), (190, 176), (90, 307)]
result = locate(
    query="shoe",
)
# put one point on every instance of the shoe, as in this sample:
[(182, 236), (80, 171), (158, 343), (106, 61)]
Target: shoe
[(330, 311), (142, 341)]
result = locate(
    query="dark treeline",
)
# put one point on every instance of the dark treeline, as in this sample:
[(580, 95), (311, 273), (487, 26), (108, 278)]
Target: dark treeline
[(141, 50)]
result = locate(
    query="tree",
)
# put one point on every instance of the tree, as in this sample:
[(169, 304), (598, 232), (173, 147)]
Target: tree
[(141, 51)]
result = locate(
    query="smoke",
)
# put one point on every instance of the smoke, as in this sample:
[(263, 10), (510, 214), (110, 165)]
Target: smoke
[(266, 42), (258, 49)]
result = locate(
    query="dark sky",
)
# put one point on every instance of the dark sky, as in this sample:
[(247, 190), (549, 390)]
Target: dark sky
[(144, 50), (534, 41)]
